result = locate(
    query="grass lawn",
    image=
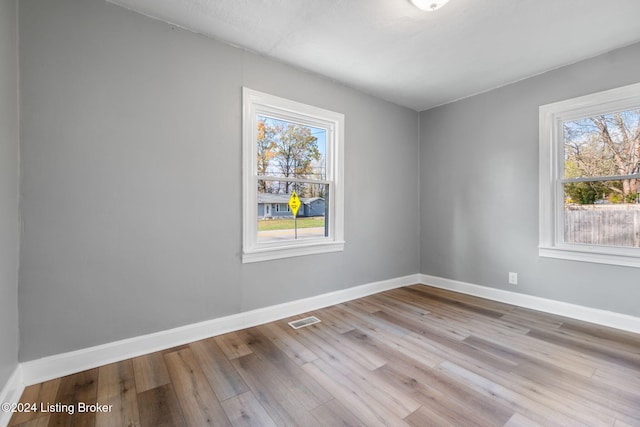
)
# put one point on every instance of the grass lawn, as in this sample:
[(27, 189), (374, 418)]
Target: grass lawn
[(287, 223)]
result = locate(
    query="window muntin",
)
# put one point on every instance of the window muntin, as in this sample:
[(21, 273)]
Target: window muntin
[(288, 146), (589, 178), (601, 161)]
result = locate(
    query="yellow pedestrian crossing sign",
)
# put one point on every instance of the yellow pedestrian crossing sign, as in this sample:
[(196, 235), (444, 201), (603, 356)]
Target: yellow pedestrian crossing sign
[(294, 203)]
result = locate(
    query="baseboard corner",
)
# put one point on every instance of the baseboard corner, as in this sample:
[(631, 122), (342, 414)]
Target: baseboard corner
[(11, 393)]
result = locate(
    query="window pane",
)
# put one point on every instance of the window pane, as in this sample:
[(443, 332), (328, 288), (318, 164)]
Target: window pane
[(275, 218), (602, 145), (598, 213), (287, 149)]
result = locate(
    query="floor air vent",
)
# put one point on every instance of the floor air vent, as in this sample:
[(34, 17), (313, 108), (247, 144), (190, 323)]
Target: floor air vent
[(307, 321)]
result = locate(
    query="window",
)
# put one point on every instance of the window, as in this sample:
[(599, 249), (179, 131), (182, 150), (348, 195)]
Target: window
[(590, 178), (290, 147)]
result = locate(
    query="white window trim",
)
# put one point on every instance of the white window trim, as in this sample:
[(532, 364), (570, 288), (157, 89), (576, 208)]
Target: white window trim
[(255, 103), (551, 203)]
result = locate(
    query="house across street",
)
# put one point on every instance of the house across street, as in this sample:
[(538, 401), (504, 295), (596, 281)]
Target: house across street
[(277, 206)]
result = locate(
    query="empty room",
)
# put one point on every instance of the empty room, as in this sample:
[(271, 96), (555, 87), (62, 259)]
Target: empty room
[(319, 213)]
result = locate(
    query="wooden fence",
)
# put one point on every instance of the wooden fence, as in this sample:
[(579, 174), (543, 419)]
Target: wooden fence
[(616, 225)]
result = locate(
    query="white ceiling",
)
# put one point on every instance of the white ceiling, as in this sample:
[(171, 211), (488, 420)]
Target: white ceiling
[(391, 49)]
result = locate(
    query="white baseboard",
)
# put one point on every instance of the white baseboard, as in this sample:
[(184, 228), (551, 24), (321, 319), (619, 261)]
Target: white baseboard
[(587, 314), (36, 371), (11, 393)]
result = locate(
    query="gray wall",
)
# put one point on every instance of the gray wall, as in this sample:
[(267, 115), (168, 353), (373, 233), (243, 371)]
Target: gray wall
[(131, 142), (479, 189), (9, 173)]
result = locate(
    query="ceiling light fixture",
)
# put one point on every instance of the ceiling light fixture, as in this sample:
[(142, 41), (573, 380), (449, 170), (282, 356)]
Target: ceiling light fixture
[(429, 5)]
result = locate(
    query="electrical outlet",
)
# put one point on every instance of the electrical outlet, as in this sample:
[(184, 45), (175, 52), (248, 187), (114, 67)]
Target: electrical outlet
[(513, 278)]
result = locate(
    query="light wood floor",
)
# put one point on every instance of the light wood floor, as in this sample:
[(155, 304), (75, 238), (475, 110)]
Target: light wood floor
[(411, 356)]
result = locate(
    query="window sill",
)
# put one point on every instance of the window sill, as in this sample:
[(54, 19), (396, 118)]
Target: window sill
[(623, 257), (268, 254)]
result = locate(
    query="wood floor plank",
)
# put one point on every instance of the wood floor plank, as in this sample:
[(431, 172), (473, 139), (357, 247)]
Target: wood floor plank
[(319, 347), (371, 319), (288, 344), (457, 318), (42, 421), (200, 406), (425, 416), (439, 406), (440, 393), (546, 352), (618, 378), (398, 345), (150, 371), (116, 388), (327, 316), (392, 350), (451, 297), (232, 345), (29, 397), (553, 398), (619, 423), (471, 320), (522, 404), (587, 396), (159, 407), (606, 334), (36, 395), (517, 317), (486, 308), (334, 413), (77, 388), (386, 394), (244, 410), (497, 350), (433, 321), (604, 398), (412, 326), (553, 321), (290, 373), (398, 302), (48, 391), (279, 396), (518, 420), (222, 376), (174, 349), (455, 350), (362, 355), (369, 410), (600, 338), (362, 305), (601, 352), (359, 373)]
